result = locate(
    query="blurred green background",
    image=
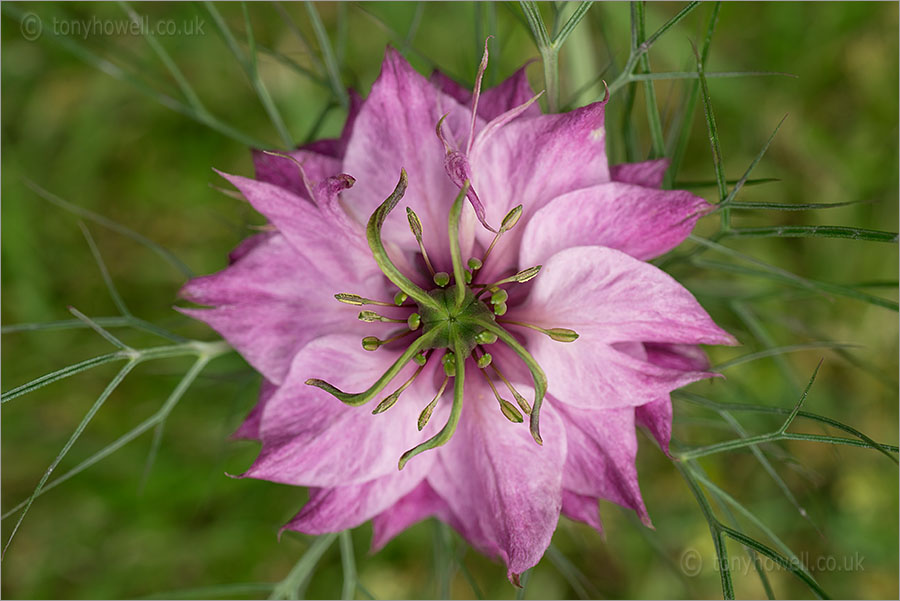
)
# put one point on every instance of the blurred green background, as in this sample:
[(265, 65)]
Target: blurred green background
[(97, 141)]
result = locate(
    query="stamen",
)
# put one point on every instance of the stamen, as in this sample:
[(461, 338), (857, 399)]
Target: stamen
[(441, 278), (557, 334), (372, 316), (392, 398), (508, 223), (520, 278), (416, 226), (421, 358), (449, 363), (429, 409), (484, 360), (526, 407), (474, 264), (500, 309), (414, 321), (355, 299), (507, 408), (485, 337)]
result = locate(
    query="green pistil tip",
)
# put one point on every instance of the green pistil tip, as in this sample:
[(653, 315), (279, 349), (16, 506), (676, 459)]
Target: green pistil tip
[(371, 343), (484, 360), (387, 403), (400, 298), (474, 264), (562, 334), (485, 337), (442, 278), (499, 296), (511, 219), (500, 309), (510, 412), (414, 321)]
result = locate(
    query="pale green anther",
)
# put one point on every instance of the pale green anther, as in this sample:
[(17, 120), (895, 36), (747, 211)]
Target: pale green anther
[(372, 316), (387, 403), (523, 403), (500, 309), (449, 363), (484, 360), (510, 412), (351, 299), (527, 274), (562, 334), (414, 321), (499, 297), (414, 224), (420, 359), (400, 298), (429, 409), (474, 264), (371, 343), (485, 337), (442, 278), (511, 219)]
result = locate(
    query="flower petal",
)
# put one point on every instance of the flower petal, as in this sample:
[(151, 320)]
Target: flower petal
[(396, 129), (310, 438), (641, 222), (249, 429), (504, 488), (602, 448), (342, 507), (512, 92), (420, 503), (274, 300), (649, 174), (582, 508)]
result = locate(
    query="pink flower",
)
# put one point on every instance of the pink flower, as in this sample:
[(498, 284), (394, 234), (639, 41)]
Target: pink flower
[(589, 347)]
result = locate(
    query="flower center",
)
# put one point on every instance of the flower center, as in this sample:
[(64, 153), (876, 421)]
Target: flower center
[(463, 319)]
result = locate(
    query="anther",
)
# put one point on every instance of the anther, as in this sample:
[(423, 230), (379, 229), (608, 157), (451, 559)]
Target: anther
[(484, 360), (414, 321), (416, 226), (449, 363), (485, 337), (509, 411), (442, 278), (392, 398), (474, 264), (520, 278), (557, 334), (500, 309), (355, 299), (420, 359), (400, 298), (523, 403), (371, 343), (509, 222), (372, 316), (429, 409), (500, 296)]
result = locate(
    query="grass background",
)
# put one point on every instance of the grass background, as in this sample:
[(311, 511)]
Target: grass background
[(96, 141)]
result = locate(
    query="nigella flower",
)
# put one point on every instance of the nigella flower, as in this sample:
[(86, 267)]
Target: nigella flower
[(529, 302)]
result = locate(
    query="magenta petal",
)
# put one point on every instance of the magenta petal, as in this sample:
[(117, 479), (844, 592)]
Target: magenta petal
[(249, 429), (602, 448), (641, 222), (512, 92), (649, 174), (396, 129), (657, 418), (265, 306), (420, 503), (343, 507), (310, 438), (582, 508), (285, 173), (504, 488), (687, 357)]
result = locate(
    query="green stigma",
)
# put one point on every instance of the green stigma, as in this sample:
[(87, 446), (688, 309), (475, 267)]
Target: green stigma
[(458, 315)]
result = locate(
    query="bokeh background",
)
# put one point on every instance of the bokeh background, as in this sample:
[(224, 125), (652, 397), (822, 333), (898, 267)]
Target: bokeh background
[(90, 136)]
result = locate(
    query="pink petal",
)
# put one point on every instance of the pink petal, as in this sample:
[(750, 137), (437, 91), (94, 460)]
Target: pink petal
[(649, 174), (420, 503), (602, 448), (343, 507), (656, 416), (504, 488), (641, 222), (531, 161), (266, 306), (582, 508), (310, 438), (249, 430), (396, 129)]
